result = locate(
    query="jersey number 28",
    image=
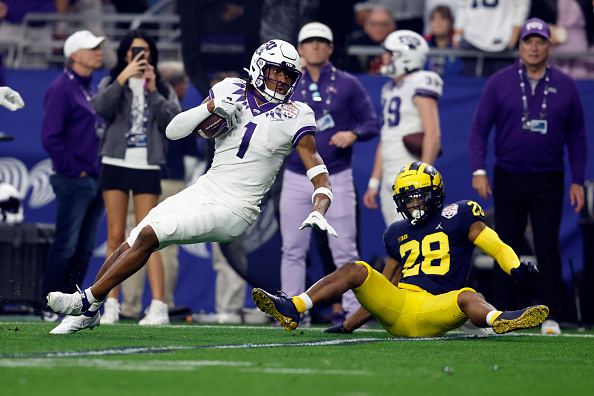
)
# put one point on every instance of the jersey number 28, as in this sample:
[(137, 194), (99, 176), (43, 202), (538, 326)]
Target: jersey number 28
[(435, 250)]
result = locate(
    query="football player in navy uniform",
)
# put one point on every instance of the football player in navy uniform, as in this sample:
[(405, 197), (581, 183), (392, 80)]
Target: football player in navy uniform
[(421, 292)]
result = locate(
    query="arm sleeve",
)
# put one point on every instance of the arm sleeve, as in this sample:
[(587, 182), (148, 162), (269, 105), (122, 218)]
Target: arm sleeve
[(488, 241), (184, 123), (106, 99)]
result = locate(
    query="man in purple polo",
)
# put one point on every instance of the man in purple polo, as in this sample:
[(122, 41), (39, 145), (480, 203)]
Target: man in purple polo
[(536, 111), (344, 115), (69, 134)]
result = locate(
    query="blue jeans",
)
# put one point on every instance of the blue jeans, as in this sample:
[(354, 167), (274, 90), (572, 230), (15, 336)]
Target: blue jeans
[(79, 207)]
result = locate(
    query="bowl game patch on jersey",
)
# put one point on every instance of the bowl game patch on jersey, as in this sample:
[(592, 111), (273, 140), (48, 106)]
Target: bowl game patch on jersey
[(290, 110), (450, 211)]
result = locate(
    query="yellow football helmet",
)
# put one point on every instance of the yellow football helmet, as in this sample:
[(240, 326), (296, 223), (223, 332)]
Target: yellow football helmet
[(418, 186)]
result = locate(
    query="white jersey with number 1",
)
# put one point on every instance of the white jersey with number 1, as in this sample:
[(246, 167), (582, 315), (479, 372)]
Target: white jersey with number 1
[(247, 159)]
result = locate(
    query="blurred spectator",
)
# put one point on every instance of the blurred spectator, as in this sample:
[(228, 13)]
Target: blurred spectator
[(217, 35), (492, 27), (408, 14), (378, 24), (173, 180), (70, 135), (430, 6), (573, 31), (537, 115), (137, 106), (440, 36)]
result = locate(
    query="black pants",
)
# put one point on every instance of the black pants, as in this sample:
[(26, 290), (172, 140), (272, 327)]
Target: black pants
[(540, 196)]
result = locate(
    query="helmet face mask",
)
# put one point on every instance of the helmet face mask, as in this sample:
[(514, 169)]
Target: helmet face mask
[(418, 192), (408, 51), (275, 54)]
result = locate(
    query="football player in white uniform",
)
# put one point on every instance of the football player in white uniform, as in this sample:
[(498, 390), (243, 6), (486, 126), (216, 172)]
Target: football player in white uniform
[(264, 127), (409, 103)]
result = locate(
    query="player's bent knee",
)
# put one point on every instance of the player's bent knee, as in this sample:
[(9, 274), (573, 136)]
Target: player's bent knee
[(467, 297), (147, 239), (357, 273)]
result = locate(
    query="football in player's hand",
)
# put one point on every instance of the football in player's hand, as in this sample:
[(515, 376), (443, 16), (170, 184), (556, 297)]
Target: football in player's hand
[(212, 127), (414, 143)]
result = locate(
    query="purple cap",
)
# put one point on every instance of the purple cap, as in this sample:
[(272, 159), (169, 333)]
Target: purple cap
[(535, 26)]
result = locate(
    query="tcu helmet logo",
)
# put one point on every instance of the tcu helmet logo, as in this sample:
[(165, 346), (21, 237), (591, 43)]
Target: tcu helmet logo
[(534, 25), (411, 41), (266, 46)]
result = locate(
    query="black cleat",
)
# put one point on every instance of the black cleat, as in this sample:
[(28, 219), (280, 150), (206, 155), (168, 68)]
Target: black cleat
[(522, 319), (281, 308)]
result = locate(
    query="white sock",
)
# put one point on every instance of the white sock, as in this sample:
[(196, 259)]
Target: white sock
[(490, 317), (306, 300), (90, 297)]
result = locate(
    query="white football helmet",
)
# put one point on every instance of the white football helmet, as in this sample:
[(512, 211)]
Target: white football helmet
[(409, 52), (277, 53)]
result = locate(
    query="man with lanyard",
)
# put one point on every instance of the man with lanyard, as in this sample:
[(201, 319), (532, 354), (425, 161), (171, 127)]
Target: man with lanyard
[(70, 135), (536, 110), (344, 114)]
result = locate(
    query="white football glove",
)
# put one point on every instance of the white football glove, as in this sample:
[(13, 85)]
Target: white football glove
[(11, 99), (229, 110), (316, 220)]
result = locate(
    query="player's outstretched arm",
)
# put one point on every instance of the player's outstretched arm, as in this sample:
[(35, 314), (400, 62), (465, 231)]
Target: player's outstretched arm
[(490, 243), (318, 174), (185, 122)]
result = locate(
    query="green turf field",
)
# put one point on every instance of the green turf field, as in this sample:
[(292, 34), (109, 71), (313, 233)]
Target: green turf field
[(127, 359)]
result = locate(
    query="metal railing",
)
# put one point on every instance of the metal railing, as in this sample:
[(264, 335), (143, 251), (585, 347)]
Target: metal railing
[(372, 50), (163, 27)]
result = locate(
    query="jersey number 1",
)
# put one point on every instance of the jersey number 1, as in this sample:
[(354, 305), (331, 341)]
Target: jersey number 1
[(247, 136)]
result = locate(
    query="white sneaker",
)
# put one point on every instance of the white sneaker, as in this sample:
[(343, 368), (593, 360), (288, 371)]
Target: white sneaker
[(471, 329), (551, 327), (72, 324), (156, 314), (111, 311), (64, 303), (228, 318)]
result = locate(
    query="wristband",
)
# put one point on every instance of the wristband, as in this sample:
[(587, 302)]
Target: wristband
[(373, 183), (479, 172), (316, 170), (322, 190)]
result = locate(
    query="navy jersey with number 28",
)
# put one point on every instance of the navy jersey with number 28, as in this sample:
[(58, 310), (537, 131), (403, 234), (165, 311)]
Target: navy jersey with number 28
[(436, 255)]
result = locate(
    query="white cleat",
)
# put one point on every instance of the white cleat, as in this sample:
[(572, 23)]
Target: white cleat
[(65, 303), (550, 327), (156, 314), (72, 324), (111, 312)]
